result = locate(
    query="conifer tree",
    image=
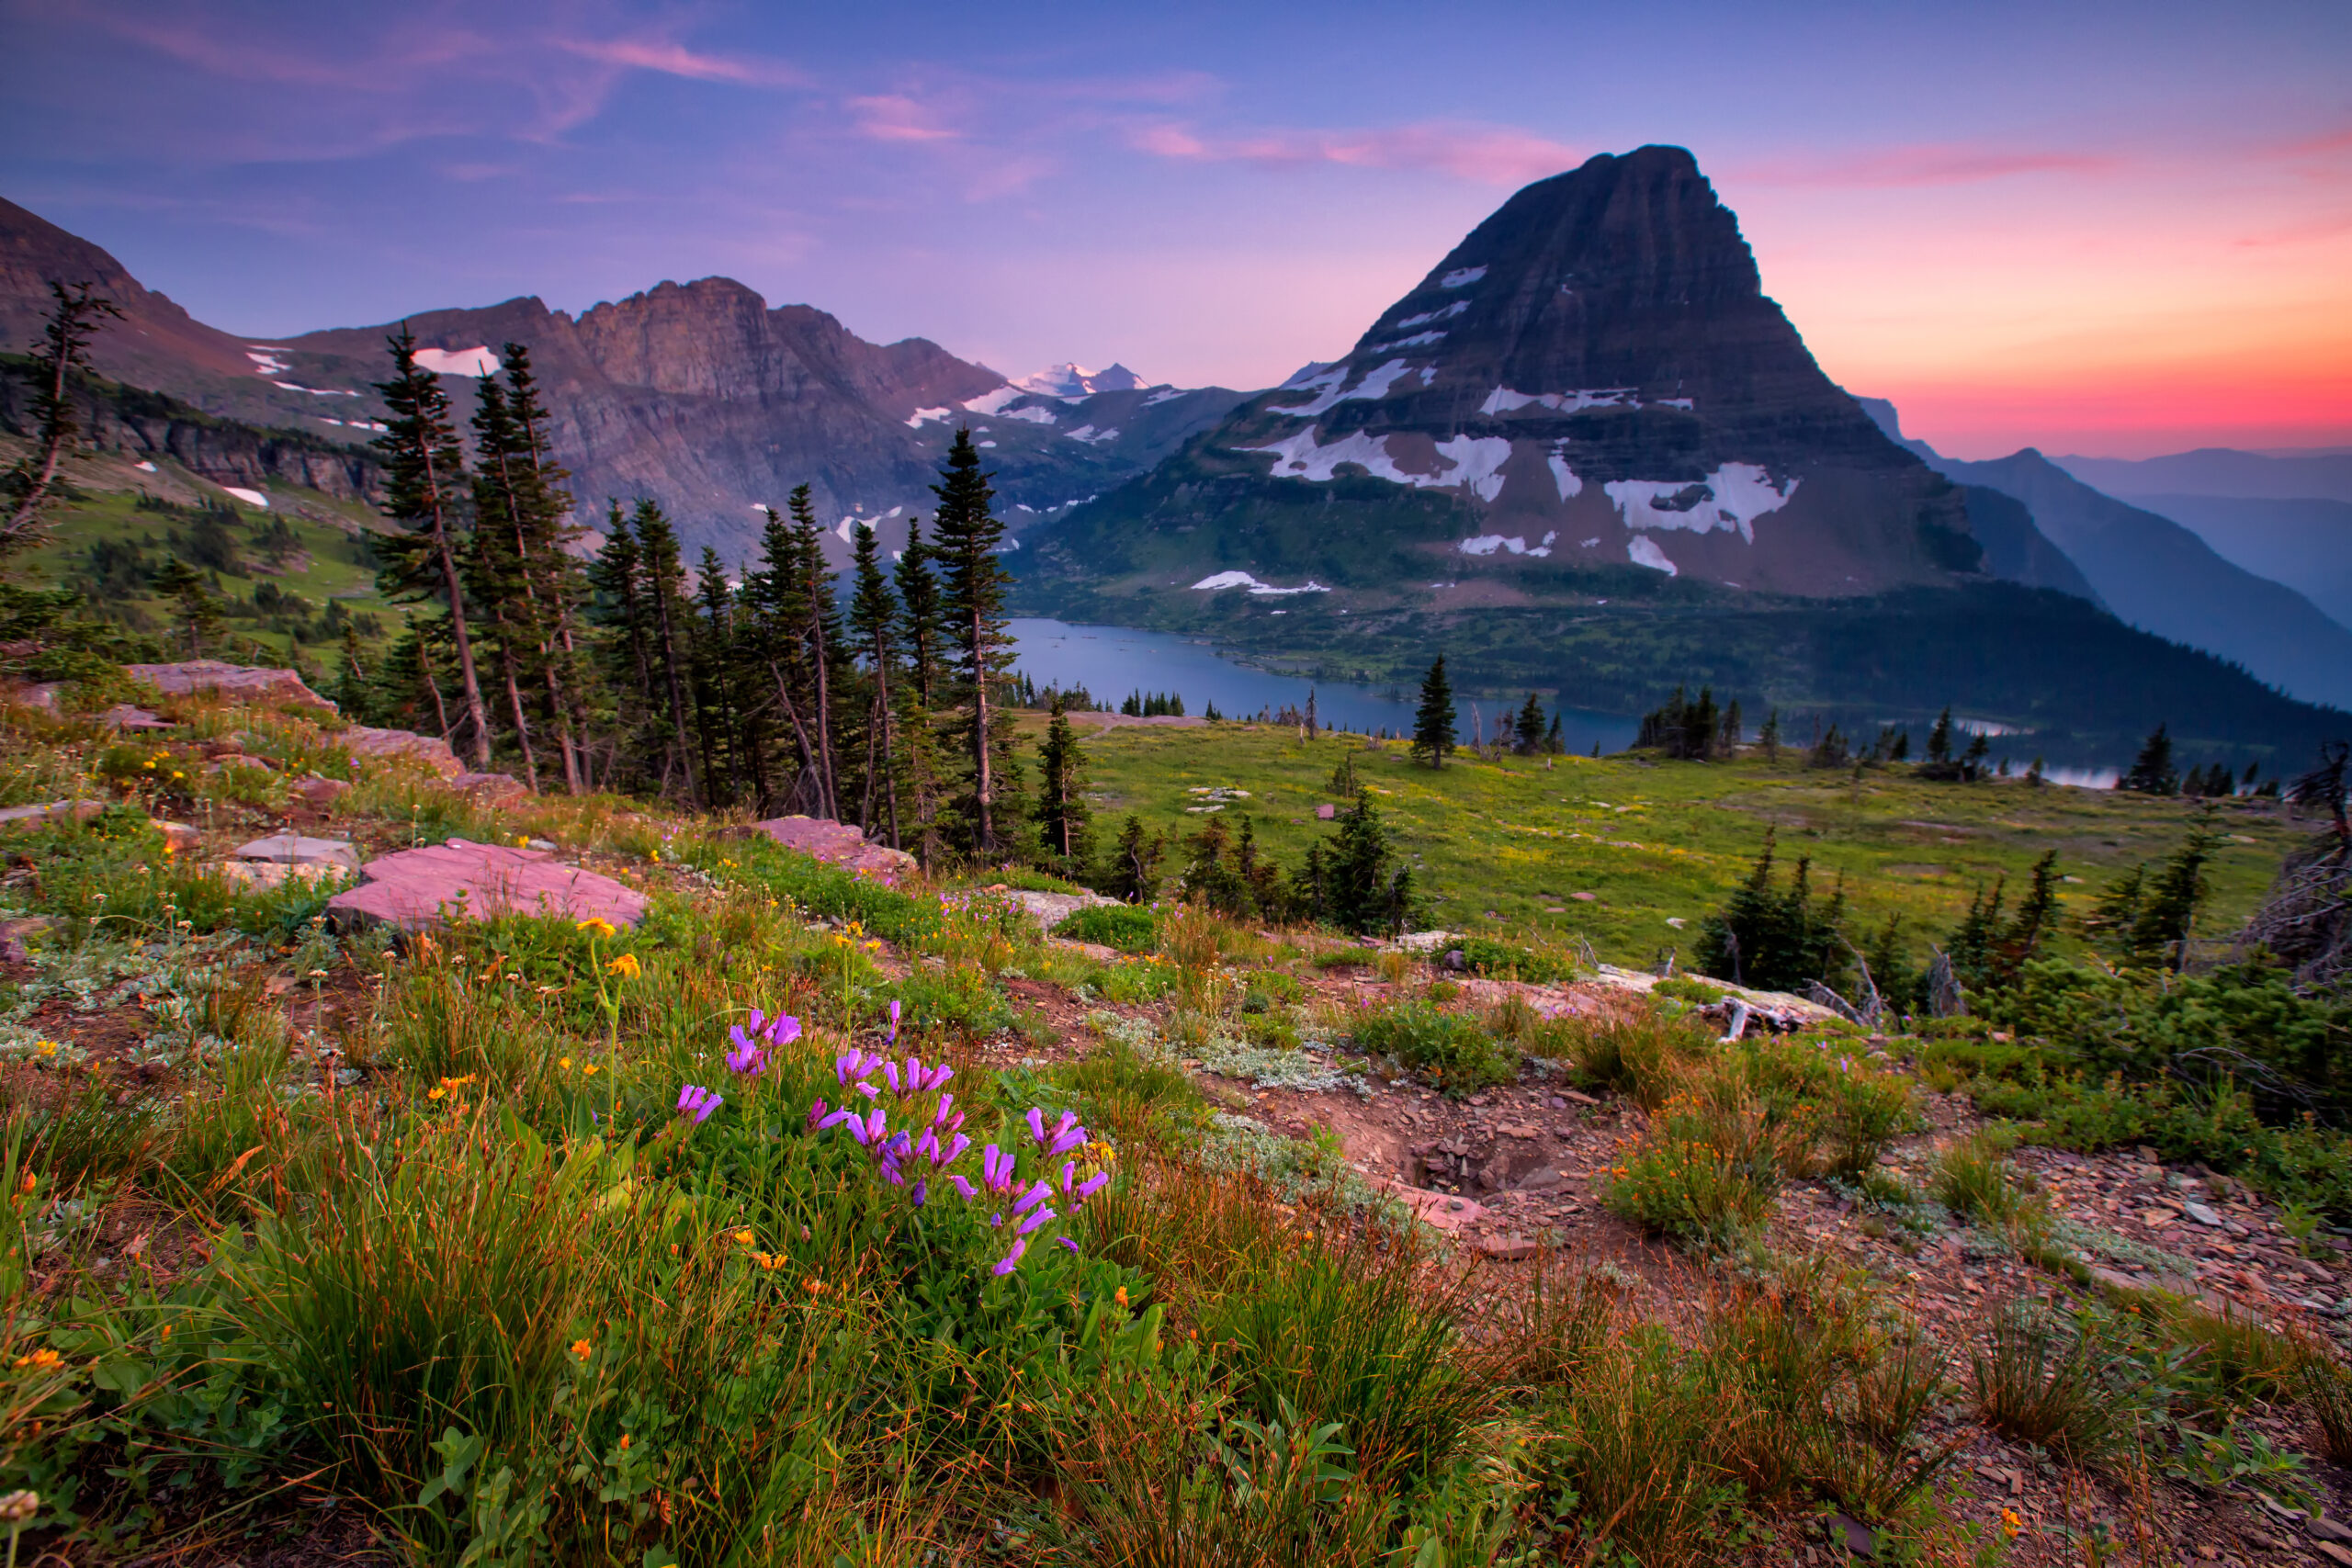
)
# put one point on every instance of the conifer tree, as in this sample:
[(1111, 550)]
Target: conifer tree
[(1434, 720), (1552, 743), (819, 635), (352, 695), (1370, 888), (2152, 770), (195, 611), (2167, 916), (1768, 737), (964, 538), (75, 316), (1063, 818), (1529, 727), (874, 626), (664, 578), (918, 587), (1940, 739), (423, 493), (1132, 873)]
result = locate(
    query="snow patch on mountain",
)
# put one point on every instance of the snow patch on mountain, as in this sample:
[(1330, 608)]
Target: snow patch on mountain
[(1092, 437), (268, 361), (1570, 484), (923, 416), (1474, 461), (1461, 277), (1502, 400), (995, 401), (474, 361), (1165, 395), (1372, 387), (1417, 340), (1257, 589), (1734, 496), (1641, 550), (1032, 415), (1427, 316)]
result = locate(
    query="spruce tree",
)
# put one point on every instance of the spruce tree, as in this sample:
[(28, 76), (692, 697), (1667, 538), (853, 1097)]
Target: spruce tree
[(821, 639), (423, 491), (1434, 720), (664, 583), (194, 610), (1063, 818), (1768, 737), (1552, 743), (965, 537), (1528, 729), (2152, 770), (1940, 739), (918, 588), (1131, 872), (2167, 916), (75, 316), (874, 628), (352, 695), (1370, 888)]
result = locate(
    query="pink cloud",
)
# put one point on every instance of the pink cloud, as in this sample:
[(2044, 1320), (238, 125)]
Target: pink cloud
[(892, 117), (1934, 163), (1489, 155), (671, 59)]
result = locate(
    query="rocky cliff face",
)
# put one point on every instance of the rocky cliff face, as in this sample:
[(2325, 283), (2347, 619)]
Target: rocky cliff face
[(699, 396), (1593, 376)]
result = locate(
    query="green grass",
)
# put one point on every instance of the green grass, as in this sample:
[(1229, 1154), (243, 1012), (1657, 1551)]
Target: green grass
[(1499, 847)]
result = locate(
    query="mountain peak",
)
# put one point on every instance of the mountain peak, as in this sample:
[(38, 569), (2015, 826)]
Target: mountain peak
[(1072, 382)]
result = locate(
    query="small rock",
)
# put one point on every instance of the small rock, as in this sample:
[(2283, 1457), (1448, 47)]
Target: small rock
[(415, 888), (1576, 1097), (363, 741), (54, 811), (542, 845), (1543, 1179), (2332, 1553), (122, 715), (294, 849), (236, 679), (178, 837), (1508, 1249), (265, 875), (1326, 813), (2201, 1215), (1557, 1102), (489, 789), (1854, 1535), (319, 792), (1586, 898), (2324, 1529)]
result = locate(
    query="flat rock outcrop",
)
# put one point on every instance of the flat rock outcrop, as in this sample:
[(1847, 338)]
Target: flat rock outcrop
[(195, 676), (459, 880), (365, 740), (837, 843)]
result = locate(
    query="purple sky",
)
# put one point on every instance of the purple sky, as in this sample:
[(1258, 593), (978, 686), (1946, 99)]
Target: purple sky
[(2120, 229)]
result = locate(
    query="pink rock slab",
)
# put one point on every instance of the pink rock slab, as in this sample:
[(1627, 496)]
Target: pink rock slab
[(416, 889), (363, 741), (836, 843), (236, 679)]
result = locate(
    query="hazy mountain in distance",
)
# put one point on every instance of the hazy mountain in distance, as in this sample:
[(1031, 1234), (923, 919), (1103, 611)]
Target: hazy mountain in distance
[(2323, 475), (2305, 544)]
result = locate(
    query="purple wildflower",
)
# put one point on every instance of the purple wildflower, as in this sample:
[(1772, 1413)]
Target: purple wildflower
[(1011, 1259), (891, 1071), (922, 1192), (1038, 1124), (953, 1152), (748, 1056), (894, 1020), (816, 1113), (698, 1102), (1089, 1187), (1035, 1196), (1033, 1221), (963, 1184), (1067, 1241)]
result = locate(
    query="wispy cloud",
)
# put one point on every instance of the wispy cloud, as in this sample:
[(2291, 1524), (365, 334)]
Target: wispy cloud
[(893, 117), (1931, 164), (668, 57), (1490, 154)]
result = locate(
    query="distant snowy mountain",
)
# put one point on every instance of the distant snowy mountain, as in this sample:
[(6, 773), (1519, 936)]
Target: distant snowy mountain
[(1072, 382)]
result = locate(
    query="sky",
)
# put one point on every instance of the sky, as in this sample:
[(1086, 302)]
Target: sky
[(2115, 230)]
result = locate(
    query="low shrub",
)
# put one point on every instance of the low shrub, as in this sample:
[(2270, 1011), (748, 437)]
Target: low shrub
[(1450, 1051), (1129, 928), (1502, 960), (1971, 1180), (1637, 1053)]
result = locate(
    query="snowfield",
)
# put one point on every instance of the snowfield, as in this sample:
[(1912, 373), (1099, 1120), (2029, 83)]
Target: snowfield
[(1641, 550), (1734, 496), (476, 362), (1372, 387), (1257, 589), (1471, 460), (1462, 277)]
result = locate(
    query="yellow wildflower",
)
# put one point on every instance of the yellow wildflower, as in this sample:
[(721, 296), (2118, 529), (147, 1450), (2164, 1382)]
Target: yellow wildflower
[(436, 1093), (46, 1047), (597, 926), (626, 966), (2011, 1526), (564, 1063), (40, 1360), (580, 1349), (744, 1236)]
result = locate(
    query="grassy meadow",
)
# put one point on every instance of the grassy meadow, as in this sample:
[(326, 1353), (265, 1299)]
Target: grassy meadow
[(1506, 846)]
